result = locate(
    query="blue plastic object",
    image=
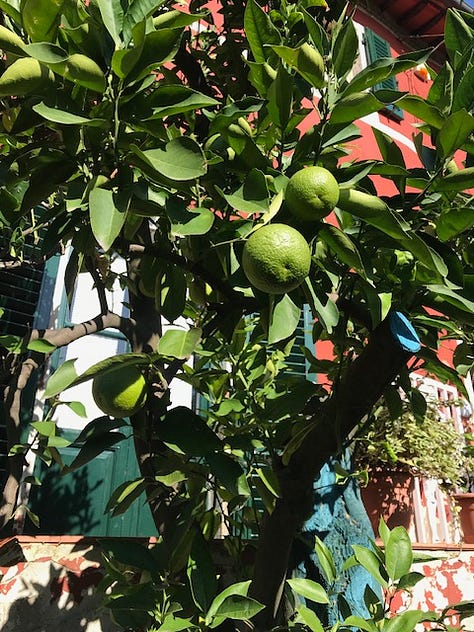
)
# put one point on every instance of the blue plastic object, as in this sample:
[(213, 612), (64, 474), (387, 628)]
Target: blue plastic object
[(403, 332)]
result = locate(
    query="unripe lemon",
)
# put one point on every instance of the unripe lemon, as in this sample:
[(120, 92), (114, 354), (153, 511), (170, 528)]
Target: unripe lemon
[(312, 193), (311, 65), (120, 392), (276, 258)]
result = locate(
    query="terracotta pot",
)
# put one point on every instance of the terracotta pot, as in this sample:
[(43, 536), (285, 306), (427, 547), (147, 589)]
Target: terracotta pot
[(466, 516), (389, 495)]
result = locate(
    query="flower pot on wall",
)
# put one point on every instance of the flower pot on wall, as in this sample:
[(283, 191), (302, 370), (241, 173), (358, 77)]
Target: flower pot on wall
[(389, 495), (465, 503)]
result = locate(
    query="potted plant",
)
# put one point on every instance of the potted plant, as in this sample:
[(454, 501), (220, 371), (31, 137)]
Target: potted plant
[(392, 450)]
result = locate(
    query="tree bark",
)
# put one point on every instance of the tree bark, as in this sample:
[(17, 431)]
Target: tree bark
[(363, 384)]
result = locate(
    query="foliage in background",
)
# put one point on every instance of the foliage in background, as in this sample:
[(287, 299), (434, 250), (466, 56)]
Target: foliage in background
[(127, 132)]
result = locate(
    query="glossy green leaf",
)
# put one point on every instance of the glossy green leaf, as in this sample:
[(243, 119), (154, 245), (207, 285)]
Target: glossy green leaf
[(112, 17), (421, 109), (358, 623), (158, 48), (168, 100), (240, 588), (318, 35), (458, 181), (236, 607), (309, 589), (280, 97), (454, 132), (187, 433), (46, 53), (176, 19), (252, 196), (186, 221), (201, 573), (170, 293), (345, 49), (64, 118), (44, 428), (124, 496), (92, 448), (138, 11), (355, 105), (259, 30), (182, 159), (453, 297), (179, 343), (229, 473), (77, 407), (326, 560), (41, 18), (458, 37), (270, 480), (107, 215), (98, 427), (398, 553), (310, 618), (129, 552), (367, 558), (342, 245), (41, 345), (464, 93), (301, 60), (404, 621), (63, 377), (11, 11), (284, 319), (384, 68)]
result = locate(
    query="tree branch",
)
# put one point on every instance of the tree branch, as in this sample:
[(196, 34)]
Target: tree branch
[(362, 386)]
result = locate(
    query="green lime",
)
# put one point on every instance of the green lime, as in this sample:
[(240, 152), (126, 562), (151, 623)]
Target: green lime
[(120, 392), (276, 258), (312, 193)]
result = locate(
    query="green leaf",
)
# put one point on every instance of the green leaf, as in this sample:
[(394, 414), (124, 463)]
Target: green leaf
[(168, 100), (185, 432), (342, 245), (301, 59), (464, 93), (63, 117), (354, 106), (236, 607), (77, 407), (308, 589), (138, 11), (99, 427), (404, 622), (158, 48), (422, 109), (280, 97), (454, 222), (284, 319), (107, 214), (41, 18), (259, 30), (458, 181), (229, 473), (360, 624), (179, 343), (11, 11), (94, 446), (270, 480), (240, 588), (43, 346), (188, 221), (170, 293), (458, 37), (14, 344), (112, 17), (201, 573), (383, 69), (453, 297), (252, 196), (63, 377), (326, 560), (398, 553), (345, 49), (310, 618), (182, 159), (368, 560), (130, 553), (124, 496), (46, 53), (175, 624), (58, 442), (44, 428), (454, 132)]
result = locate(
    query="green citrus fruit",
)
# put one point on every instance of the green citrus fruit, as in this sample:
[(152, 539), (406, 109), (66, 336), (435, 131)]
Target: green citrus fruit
[(120, 392), (312, 193), (276, 258)]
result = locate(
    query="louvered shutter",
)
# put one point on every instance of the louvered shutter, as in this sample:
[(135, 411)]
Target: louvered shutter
[(376, 47)]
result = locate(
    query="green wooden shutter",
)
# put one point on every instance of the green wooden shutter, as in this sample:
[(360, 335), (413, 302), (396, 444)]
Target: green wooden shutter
[(377, 47)]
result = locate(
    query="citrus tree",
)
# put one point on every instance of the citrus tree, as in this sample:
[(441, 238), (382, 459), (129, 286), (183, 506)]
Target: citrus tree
[(172, 140)]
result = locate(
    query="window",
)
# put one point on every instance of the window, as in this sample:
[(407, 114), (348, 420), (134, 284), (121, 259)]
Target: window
[(376, 48)]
